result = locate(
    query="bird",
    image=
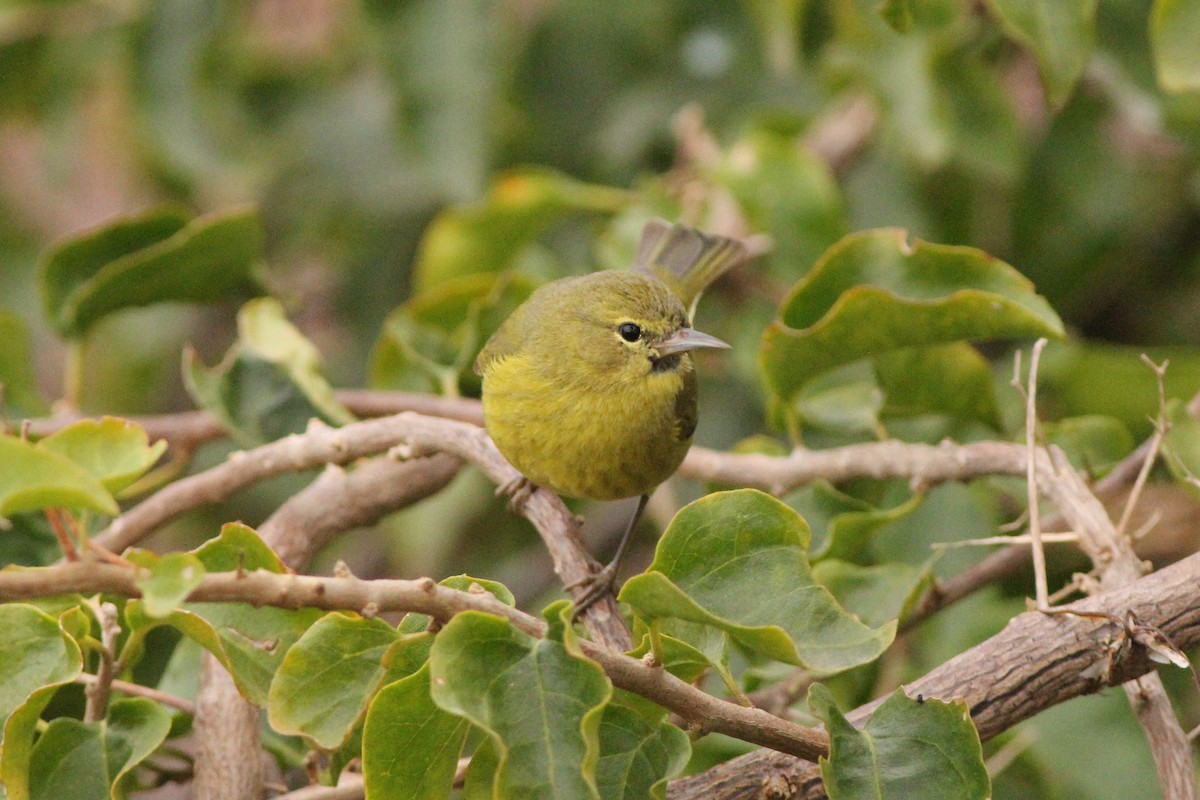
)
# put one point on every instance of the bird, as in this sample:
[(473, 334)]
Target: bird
[(589, 387)]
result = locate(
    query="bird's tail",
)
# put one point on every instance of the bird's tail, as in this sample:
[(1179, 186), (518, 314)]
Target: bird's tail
[(685, 259)]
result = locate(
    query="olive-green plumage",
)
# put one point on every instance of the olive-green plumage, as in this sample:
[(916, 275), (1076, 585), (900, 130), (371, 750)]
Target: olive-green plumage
[(589, 387)]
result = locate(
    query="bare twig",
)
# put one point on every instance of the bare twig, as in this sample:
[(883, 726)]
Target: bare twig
[(1031, 483), (98, 690), (1161, 425), (137, 690)]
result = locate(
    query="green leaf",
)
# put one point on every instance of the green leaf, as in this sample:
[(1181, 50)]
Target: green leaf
[(410, 746), (540, 704), (37, 655), (909, 748), (33, 477), (269, 384), (170, 580), (873, 293), (638, 756), (1060, 33), (737, 561), (20, 394), (249, 642), (116, 451), (1181, 446), (430, 342), (489, 235), (1174, 32), (843, 526), (154, 258), (952, 379), (876, 593), (68, 761), (89, 760), (134, 729), (324, 682), (481, 772)]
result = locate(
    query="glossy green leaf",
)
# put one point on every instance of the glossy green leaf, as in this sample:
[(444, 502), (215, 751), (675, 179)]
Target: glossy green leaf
[(638, 756), (737, 561), (952, 379), (873, 293), (410, 746), (842, 525), (33, 477), (324, 682), (68, 761), (540, 704), (37, 655), (116, 451), (877, 593), (1060, 34), (86, 761), (909, 748), (249, 642), (845, 400), (169, 580), (134, 729), (1174, 31), (488, 236), (430, 342), (270, 383), (154, 258), (19, 386), (481, 772)]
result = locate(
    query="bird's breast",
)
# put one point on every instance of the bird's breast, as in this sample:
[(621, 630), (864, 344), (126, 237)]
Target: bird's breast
[(615, 436)]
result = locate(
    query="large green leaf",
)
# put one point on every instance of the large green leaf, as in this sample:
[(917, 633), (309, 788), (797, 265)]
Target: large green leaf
[(37, 655), (910, 748), (1061, 34), (410, 745), (1174, 32), (488, 236), (269, 384), (638, 755), (738, 561), (324, 682), (249, 642), (540, 703), (116, 451), (874, 293), (842, 525), (153, 258), (877, 593), (88, 761), (952, 379), (35, 477)]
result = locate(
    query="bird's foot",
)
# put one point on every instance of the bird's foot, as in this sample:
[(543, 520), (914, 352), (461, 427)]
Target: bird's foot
[(518, 490), (594, 587)]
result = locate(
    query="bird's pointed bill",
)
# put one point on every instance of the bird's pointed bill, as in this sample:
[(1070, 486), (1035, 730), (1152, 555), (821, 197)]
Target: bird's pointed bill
[(686, 339)]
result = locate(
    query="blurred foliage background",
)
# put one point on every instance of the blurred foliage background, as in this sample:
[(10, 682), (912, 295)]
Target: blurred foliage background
[(394, 148)]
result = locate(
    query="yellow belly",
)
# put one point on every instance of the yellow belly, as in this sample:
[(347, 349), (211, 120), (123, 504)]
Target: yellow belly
[(603, 442)]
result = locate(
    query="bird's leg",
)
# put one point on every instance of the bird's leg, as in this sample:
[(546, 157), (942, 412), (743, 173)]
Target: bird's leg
[(518, 490), (600, 584)]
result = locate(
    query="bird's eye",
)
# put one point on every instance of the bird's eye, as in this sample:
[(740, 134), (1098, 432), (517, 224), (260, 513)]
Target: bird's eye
[(629, 331)]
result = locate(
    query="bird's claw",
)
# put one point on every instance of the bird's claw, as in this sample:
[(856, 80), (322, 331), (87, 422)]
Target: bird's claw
[(518, 490), (595, 587)]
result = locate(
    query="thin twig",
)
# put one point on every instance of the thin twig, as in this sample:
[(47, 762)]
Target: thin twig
[(137, 690), (1161, 425)]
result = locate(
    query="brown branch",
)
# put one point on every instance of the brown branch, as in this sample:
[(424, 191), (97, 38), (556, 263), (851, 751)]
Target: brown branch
[(702, 711), (227, 725), (137, 690), (1037, 661)]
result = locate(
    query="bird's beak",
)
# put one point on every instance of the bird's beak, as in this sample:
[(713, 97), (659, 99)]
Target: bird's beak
[(686, 339)]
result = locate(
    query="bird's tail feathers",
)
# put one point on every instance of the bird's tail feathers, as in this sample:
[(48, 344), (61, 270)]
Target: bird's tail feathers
[(685, 259)]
